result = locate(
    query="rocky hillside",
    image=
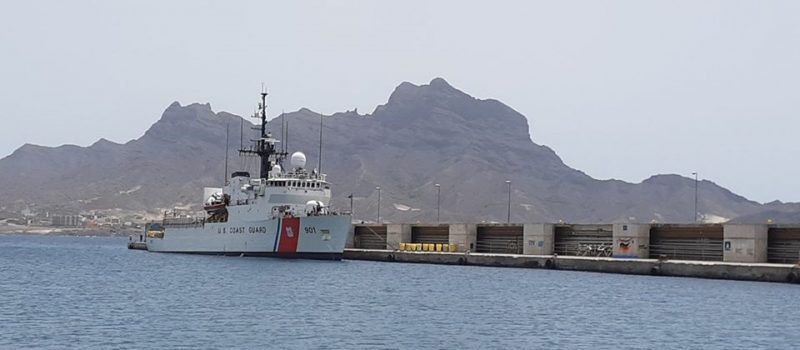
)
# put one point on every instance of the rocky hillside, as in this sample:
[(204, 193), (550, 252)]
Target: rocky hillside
[(423, 135)]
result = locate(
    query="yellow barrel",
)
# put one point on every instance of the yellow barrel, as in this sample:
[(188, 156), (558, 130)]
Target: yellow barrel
[(425, 247), (453, 248), (402, 246), (445, 248), (438, 247), (417, 246)]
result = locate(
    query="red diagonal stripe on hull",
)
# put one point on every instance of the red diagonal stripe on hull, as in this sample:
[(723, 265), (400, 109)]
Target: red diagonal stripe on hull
[(290, 235)]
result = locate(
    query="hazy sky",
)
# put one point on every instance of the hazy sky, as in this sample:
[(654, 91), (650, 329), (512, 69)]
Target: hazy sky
[(619, 89)]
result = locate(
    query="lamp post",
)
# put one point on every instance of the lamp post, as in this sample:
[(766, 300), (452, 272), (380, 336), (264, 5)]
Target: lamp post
[(379, 203), (351, 205), (508, 219), (695, 196), (438, 196)]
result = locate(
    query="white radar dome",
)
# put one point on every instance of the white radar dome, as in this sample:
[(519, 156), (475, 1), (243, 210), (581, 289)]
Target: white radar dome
[(298, 160), (276, 169)]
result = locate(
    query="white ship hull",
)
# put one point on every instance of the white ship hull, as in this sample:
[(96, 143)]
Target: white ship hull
[(315, 237)]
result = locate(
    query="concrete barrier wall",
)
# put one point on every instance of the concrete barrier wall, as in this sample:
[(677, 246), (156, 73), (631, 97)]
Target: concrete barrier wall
[(737, 243), (631, 240), (745, 243), (538, 239), (464, 236)]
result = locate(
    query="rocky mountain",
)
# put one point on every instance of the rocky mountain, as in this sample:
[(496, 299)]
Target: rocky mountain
[(422, 136)]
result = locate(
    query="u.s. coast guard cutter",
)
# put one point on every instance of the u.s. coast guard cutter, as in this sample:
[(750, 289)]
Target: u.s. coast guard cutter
[(281, 213)]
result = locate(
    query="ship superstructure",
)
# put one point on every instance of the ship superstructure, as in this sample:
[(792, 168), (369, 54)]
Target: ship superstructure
[(284, 213)]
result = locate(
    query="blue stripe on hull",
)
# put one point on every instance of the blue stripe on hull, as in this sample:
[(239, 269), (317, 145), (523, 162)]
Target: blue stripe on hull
[(277, 235)]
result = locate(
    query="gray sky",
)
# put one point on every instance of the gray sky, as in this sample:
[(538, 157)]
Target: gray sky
[(621, 89)]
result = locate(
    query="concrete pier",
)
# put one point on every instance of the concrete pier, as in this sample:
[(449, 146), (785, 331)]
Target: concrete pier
[(654, 267), (691, 250)]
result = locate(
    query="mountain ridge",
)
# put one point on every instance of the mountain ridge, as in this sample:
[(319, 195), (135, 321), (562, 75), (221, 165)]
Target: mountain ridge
[(423, 134)]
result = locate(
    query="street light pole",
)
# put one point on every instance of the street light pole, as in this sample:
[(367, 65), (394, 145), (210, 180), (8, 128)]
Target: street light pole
[(352, 215), (695, 197), (379, 203), (438, 196), (508, 219)]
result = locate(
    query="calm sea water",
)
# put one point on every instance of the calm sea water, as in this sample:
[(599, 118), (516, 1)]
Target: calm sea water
[(83, 292)]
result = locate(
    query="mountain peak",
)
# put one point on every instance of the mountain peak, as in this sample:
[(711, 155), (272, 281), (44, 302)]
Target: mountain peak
[(191, 111), (440, 83), (204, 107), (438, 90), (103, 143)]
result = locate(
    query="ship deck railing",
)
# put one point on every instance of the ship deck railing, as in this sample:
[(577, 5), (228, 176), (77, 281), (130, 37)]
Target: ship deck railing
[(183, 222)]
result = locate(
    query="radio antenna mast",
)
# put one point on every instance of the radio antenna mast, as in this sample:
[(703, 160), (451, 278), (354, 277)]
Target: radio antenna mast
[(319, 164), (227, 128), (265, 144), (283, 130)]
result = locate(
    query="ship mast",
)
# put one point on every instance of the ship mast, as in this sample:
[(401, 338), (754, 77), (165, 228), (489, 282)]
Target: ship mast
[(265, 144)]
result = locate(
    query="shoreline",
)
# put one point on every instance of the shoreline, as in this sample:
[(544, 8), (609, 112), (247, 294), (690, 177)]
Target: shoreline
[(62, 231)]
